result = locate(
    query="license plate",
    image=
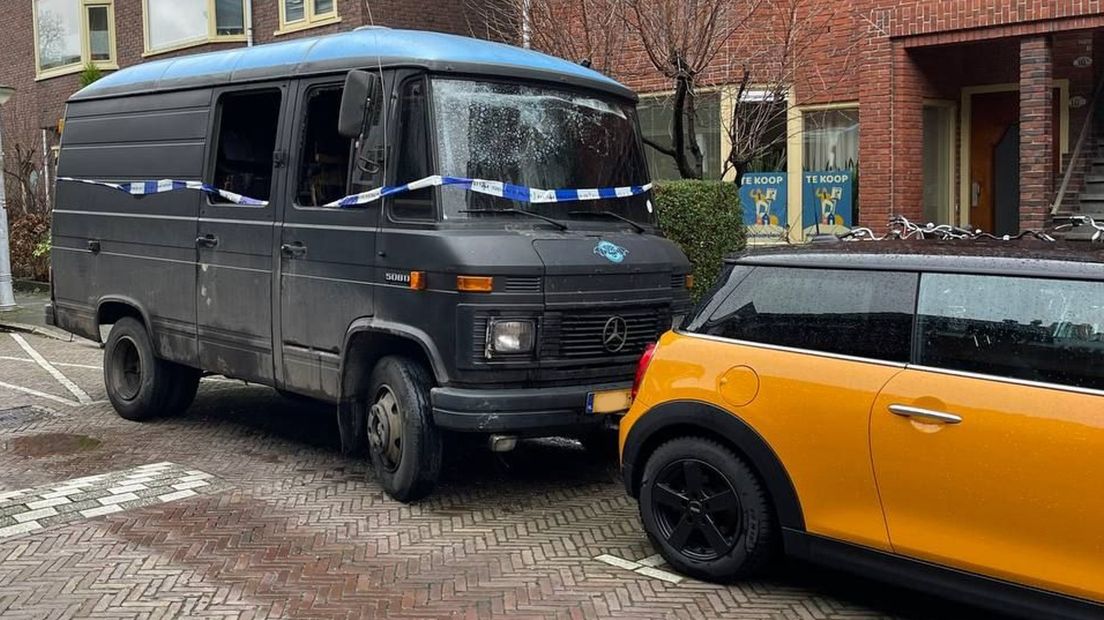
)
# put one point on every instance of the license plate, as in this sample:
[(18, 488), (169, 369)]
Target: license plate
[(608, 401)]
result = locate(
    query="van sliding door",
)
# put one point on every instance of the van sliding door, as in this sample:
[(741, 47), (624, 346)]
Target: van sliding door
[(235, 270)]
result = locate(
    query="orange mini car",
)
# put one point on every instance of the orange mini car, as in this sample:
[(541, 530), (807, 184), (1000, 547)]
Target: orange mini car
[(926, 412)]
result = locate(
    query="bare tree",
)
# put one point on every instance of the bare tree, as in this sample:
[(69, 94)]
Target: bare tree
[(589, 31), (682, 38), (779, 54)]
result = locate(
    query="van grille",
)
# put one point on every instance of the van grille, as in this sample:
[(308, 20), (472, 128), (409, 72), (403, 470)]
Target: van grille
[(523, 284), (678, 280), (581, 333)]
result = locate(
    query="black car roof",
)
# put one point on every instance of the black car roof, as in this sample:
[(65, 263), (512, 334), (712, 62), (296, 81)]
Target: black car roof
[(1026, 257)]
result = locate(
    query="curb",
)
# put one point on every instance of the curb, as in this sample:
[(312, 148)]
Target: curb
[(24, 328)]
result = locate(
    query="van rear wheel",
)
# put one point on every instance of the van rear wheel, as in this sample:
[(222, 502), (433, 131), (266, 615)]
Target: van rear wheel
[(140, 385), (404, 444), (706, 511)]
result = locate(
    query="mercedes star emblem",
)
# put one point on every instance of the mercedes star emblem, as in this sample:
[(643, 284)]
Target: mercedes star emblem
[(615, 334)]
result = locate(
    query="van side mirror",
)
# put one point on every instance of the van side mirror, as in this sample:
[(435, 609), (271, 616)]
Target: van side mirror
[(359, 101)]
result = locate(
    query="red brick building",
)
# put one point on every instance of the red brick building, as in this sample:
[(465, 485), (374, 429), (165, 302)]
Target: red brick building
[(47, 43), (950, 111)]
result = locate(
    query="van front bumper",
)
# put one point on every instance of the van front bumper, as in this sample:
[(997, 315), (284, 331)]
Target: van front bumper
[(529, 411)]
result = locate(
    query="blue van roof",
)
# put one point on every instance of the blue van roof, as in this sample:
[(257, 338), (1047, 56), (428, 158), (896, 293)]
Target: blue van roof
[(360, 48)]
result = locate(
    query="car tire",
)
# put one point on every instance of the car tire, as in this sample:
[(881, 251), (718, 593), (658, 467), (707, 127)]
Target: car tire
[(140, 385), (706, 511), (407, 463)]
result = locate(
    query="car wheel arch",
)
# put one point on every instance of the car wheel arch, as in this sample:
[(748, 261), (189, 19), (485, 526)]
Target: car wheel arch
[(693, 418)]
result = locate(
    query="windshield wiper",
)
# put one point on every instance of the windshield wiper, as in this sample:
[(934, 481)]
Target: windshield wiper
[(610, 214), (556, 223)]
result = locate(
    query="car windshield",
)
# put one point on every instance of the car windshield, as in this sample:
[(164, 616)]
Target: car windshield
[(538, 137)]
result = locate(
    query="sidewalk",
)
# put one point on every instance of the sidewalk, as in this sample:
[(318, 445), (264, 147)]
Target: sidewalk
[(30, 312)]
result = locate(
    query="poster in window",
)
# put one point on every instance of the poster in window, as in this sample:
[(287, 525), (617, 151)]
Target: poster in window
[(827, 204), (763, 198)]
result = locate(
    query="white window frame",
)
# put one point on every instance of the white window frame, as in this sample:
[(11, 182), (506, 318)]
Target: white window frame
[(212, 31), (85, 38), (311, 18)]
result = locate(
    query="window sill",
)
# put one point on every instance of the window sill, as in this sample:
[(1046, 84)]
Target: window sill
[(306, 25), (230, 38), (71, 69)]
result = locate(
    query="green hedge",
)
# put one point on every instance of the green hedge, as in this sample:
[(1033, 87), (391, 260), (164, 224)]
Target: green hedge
[(706, 220)]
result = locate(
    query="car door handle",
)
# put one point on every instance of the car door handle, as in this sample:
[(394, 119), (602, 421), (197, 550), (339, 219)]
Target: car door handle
[(927, 415), (94, 246), (293, 249), (207, 241)]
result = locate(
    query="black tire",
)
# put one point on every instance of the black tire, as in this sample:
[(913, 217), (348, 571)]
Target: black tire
[(139, 385), (407, 464), (716, 524), (185, 386)]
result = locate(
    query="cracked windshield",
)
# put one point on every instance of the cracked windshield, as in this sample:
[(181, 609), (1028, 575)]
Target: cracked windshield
[(541, 138)]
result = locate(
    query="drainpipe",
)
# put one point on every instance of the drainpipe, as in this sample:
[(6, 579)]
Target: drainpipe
[(526, 24), (249, 23), (7, 298), (46, 167)]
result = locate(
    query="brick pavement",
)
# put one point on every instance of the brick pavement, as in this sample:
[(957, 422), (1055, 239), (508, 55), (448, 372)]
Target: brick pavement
[(291, 528)]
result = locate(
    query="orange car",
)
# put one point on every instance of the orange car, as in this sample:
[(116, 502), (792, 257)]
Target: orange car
[(929, 412)]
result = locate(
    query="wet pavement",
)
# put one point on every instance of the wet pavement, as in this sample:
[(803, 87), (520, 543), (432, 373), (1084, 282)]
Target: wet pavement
[(244, 507)]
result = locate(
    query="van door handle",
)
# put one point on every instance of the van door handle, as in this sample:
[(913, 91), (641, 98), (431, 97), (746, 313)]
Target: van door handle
[(927, 415), (207, 241), (94, 246), (293, 249)]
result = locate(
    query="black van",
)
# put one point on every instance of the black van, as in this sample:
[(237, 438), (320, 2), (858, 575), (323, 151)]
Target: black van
[(429, 231)]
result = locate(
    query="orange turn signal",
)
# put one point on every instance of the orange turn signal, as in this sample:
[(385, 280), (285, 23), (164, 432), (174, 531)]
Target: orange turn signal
[(475, 284), (689, 280), (417, 280)]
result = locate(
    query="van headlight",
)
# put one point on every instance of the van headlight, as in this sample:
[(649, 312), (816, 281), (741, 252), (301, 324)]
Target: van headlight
[(507, 336)]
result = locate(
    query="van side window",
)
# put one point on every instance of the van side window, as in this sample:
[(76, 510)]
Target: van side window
[(1021, 328), (324, 154), (859, 313), (246, 139), (413, 160)]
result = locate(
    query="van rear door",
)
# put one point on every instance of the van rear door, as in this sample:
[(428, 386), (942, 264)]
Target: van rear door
[(234, 241)]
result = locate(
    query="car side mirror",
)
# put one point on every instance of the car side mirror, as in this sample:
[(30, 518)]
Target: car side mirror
[(359, 101)]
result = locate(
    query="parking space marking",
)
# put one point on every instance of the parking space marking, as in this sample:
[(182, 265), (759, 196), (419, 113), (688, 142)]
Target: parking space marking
[(9, 358), (34, 392), (82, 397), (29, 510), (646, 567)]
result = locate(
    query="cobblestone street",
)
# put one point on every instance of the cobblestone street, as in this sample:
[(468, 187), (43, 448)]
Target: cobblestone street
[(244, 507)]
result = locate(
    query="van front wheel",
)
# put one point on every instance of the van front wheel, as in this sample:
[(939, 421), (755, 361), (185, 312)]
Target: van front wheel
[(404, 445)]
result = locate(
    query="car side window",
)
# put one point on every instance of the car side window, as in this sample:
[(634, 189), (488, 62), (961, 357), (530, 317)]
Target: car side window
[(246, 141), (413, 160), (865, 314), (1022, 328), (324, 154)]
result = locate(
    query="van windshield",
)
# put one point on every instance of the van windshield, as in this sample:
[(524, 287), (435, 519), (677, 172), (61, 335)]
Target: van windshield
[(538, 137)]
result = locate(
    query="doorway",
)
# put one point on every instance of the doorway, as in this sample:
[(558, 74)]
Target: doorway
[(995, 118)]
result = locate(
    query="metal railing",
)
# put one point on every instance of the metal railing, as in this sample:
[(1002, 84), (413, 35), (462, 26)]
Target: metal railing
[(1076, 155)]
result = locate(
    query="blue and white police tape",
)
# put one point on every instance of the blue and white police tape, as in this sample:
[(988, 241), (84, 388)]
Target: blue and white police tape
[(145, 188), (508, 191)]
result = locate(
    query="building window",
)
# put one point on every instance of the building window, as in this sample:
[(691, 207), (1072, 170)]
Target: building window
[(183, 23), (72, 34), (831, 140), (830, 171), (300, 14), (656, 122)]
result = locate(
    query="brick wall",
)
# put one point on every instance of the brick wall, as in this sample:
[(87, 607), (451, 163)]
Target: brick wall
[(39, 104)]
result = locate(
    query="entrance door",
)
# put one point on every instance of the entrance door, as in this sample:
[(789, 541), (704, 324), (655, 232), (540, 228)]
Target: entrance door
[(992, 117), (234, 275)]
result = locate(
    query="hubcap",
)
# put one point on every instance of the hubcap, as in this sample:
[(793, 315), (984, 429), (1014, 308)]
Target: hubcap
[(127, 379), (696, 509), (385, 428)]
